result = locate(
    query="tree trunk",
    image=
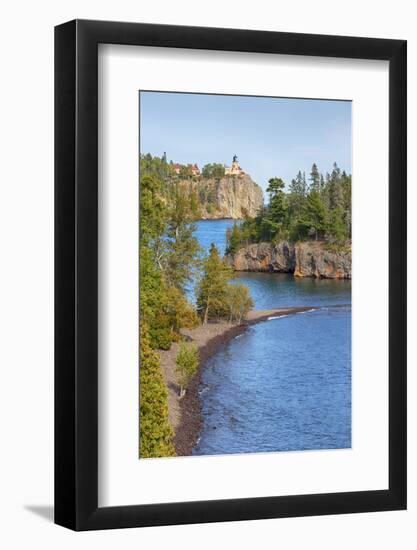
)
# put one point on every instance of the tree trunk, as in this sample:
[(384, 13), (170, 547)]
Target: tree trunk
[(205, 319)]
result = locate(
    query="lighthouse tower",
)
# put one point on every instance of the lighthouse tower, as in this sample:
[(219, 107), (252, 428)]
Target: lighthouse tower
[(235, 169)]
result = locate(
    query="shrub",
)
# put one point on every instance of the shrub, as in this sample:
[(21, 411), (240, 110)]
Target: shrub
[(239, 302), (187, 365)]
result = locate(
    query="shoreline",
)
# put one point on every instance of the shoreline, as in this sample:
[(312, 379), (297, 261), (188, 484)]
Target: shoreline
[(185, 414)]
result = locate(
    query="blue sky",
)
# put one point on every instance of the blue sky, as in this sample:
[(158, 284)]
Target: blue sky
[(272, 137)]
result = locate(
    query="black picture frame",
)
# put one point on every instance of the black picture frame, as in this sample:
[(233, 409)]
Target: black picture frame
[(76, 273)]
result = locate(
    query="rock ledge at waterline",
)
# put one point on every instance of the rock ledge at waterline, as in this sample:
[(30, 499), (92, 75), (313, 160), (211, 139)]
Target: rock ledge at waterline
[(306, 259)]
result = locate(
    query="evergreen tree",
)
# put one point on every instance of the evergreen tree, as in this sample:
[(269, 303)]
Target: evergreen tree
[(337, 228), (157, 167), (152, 295), (277, 207), (298, 185), (335, 190), (213, 286), (296, 198), (156, 434), (277, 199), (314, 222), (346, 182), (315, 178), (234, 238)]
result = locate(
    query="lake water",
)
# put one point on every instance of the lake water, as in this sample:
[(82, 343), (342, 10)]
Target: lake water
[(284, 384)]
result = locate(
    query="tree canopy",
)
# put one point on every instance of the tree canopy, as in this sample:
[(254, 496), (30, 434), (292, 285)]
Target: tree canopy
[(213, 170), (320, 210), (170, 259)]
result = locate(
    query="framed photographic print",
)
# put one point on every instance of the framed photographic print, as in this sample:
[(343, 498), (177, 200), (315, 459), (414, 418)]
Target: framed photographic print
[(230, 275)]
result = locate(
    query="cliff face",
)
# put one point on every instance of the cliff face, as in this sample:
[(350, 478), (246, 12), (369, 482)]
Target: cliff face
[(308, 259), (227, 197)]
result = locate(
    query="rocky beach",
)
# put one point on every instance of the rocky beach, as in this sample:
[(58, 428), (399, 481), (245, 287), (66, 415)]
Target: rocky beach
[(185, 413)]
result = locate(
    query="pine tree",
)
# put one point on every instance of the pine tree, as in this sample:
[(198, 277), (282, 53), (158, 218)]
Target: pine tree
[(335, 189), (277, 207), (233, 239), (213, 286), (298, 185), (315, 178), (346, 182), (315, 220), (296, 198), (337, 228)]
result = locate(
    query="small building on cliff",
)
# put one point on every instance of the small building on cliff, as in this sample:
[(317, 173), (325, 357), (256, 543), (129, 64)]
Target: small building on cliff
[(235, 169), (193, 169)]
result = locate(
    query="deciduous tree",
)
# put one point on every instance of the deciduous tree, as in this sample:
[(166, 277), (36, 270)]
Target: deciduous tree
[(239, 302), (187, 365)]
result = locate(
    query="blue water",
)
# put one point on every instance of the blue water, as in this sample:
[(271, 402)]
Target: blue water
[(284, 384)]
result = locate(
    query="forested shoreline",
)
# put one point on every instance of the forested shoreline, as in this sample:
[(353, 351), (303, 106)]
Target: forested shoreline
[(171, 260), (319, 209)]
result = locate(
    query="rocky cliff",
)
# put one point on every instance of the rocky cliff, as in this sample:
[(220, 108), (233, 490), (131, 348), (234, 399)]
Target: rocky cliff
[(226, 197), (308, 259)]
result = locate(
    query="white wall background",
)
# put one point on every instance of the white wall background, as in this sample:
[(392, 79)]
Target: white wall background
[(26, 285)]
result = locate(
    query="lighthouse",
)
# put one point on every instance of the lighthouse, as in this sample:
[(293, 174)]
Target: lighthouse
[(235, 169)]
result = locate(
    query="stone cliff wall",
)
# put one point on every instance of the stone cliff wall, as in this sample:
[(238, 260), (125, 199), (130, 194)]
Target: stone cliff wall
[(227, 197), (308, 259)]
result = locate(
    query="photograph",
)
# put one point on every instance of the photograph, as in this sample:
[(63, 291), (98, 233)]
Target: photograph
[(245, 228), (208, 334)]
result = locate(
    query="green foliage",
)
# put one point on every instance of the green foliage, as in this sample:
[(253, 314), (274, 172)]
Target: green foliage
[(155, 431), (239, 302), (155, 166), (214, 170), (186, 172), (187, 365), (233, 239), (321, 211), (315, 179), (169, 257), (314, 221), (178, 310), (168, 254), (213, 287), (277, 201), (182, 247), (153, 214), (334, 189), (337, 227)]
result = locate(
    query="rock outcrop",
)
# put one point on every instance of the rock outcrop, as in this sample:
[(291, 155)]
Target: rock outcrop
[(307, 259), (227, 197)]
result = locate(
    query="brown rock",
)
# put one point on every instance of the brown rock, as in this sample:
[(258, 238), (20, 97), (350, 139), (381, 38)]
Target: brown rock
[(307, 259), (227, 197)]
